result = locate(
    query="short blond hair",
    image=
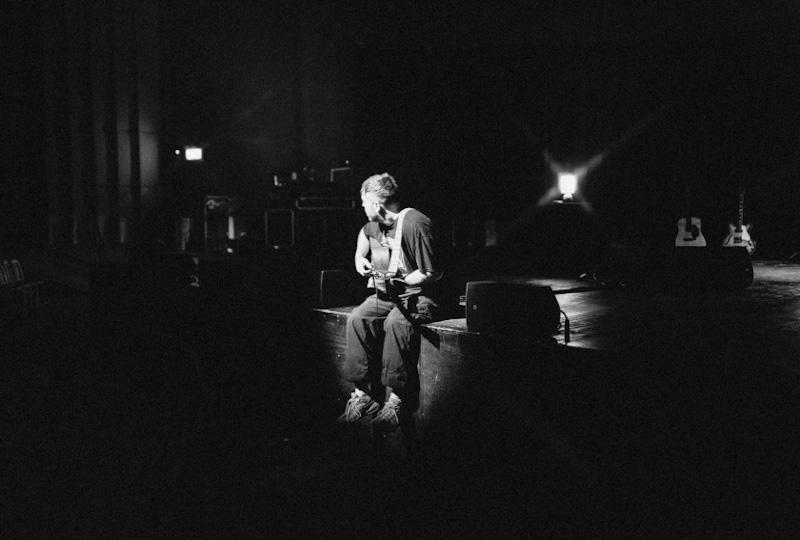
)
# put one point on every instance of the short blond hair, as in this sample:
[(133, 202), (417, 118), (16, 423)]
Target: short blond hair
[(382, 186)]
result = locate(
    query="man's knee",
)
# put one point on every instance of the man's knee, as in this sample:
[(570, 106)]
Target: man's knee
[(396, 323), (358, 313), (359, 316), (353, 319)]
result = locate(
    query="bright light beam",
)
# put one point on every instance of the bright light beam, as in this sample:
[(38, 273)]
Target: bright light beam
[(193, 153), (567, 185), (568, 180), (582, 171)]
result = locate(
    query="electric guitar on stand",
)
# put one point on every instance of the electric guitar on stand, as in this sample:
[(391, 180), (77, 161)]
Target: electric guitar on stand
[(689, 229), (739, 235)]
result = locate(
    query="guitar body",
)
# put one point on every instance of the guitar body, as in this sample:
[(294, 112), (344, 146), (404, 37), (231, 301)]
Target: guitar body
[(380, 257), (740, 237), (690, 233), (380, 279)]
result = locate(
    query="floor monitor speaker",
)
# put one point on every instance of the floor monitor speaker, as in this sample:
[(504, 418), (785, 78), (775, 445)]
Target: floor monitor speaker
[(511, 308)]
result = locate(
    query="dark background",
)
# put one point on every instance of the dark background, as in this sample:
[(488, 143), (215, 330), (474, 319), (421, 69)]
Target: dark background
[(139, 403), (463, 102)]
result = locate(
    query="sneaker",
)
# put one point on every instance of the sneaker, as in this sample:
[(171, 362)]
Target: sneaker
[(359, 404), (388, 417)]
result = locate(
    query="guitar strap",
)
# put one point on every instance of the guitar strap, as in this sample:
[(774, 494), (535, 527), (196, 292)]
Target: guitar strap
[(396, 245), (397, 263), (397, 260)]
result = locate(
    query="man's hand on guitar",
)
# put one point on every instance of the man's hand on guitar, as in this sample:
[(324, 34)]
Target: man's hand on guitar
[(393, 285), (363, 266), (387, 282), (396, 282)]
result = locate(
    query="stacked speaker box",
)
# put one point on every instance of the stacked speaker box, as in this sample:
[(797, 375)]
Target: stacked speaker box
[(279, 228)]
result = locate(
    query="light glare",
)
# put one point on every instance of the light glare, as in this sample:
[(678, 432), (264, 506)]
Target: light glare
[(193, 153), (567, 184)]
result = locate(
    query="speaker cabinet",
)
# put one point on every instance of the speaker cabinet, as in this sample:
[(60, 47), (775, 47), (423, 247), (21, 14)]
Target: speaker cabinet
[(510, 308), (279, 228), (218, 220)]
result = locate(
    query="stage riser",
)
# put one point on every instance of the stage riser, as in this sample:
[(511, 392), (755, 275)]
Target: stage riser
[(449, 365), (455, 368)]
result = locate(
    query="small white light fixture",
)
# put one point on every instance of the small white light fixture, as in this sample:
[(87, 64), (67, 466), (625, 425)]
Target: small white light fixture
[(193, 153), (567, 185)]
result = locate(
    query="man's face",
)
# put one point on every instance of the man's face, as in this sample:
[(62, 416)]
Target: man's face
[(372, 206)]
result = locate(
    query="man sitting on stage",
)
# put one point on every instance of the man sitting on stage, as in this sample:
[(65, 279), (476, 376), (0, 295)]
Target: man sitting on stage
[(394, 248)]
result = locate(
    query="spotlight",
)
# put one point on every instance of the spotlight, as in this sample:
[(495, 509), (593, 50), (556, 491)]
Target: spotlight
[(193, 153), (567, 184)]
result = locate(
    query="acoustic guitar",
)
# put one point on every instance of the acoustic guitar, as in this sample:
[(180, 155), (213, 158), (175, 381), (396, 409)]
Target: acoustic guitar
[(380, 278), (689, 233), (689, 230), (739, 234)]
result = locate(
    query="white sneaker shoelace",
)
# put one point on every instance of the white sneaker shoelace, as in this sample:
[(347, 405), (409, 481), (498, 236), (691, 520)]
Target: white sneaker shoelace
[(356, 406), (388, 414)]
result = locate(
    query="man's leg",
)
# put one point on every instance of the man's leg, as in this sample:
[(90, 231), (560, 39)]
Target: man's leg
[(363, 334), (400, 349), (401, 342), (401, 354)]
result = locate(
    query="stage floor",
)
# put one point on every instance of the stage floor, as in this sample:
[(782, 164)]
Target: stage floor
[(762, 317)]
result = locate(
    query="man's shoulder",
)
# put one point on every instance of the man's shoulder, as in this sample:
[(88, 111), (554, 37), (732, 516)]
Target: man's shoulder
[(371, 228), (416, 216), (370, 225)]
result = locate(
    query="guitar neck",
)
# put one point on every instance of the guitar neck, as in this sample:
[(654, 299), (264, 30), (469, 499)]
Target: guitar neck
[(740, 218)]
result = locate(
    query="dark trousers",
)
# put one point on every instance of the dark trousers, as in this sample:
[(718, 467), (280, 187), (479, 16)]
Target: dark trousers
[(381, 335)]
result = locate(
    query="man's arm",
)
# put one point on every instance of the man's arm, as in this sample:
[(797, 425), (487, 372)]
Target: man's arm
[(418, 277), (362, 264), (423, 247)]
